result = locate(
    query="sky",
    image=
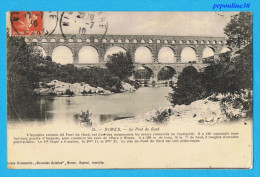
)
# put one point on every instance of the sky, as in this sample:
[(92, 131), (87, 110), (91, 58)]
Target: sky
[(145, 23), (168, 23)]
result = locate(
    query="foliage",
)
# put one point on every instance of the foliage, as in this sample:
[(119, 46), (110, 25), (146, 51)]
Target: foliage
[(244, 66), (121, 65), (189, 87), (240, 29), (161, 116), (85, 119), (142, 74), (69, 92), (22, 77), (229, 75), (133, 83), (166, 73), (237, 105), (26, 68)]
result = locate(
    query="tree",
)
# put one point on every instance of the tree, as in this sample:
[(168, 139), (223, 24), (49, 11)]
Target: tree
[(166, 73), (22, 78), (230, 75), (240, 29), (189, 87), (121, 65), (142, 73), (240, 33), (244, 67)]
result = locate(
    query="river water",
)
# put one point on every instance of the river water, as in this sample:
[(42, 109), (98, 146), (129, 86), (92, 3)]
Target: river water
[(103, 108)]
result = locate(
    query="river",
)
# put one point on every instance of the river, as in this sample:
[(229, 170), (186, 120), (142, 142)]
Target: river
[(103, 108)]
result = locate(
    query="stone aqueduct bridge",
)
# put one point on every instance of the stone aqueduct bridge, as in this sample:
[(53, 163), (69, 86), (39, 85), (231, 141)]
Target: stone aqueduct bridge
[(130, 43)]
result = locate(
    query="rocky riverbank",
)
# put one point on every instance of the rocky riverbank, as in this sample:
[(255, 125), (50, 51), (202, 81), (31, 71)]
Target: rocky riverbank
[(211, 110), (58, 88)]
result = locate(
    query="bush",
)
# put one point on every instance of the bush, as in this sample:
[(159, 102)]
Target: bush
[(133, 83), (69, 92), (121, 65), (237, 105), (189, 87), (84, 118), (161, 116)]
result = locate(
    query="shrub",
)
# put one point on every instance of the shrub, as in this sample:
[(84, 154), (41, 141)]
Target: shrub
[(85, 118), (213, 98), (161, 116), (121, 65), (69, 92), (237, 105), (189, 87)]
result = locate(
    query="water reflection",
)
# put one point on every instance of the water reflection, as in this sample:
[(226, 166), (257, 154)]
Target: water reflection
[(103, 109), (30, 109)]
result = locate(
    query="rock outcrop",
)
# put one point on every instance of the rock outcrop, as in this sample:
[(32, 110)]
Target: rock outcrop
[(58, 88), (127, 87)]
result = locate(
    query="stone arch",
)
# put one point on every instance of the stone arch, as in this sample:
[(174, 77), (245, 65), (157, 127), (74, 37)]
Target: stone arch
[(88, 40), (208, 54), (127, 41), (119, 41), (226, 49), (166, 55), (112, 41), (143, 73), (104, 40), (26, 40), (150, 41), (148, 68), (202, 42), (208, 51), (166, 73), (190, 67), (165, 41), (62, 40), (35, 40), (79, 40), (158, 41), (39, 50), (53, 40), (113, 50), (173, 42), (44, 40), (196, 42), (62, 54), (143, 54), (88, 54), (135, 41), (188, 54)]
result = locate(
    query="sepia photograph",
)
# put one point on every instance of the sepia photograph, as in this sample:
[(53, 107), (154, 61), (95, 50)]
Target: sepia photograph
[(109, 90)]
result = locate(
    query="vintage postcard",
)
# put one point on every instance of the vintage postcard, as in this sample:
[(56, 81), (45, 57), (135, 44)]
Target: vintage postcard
[(129, 90)]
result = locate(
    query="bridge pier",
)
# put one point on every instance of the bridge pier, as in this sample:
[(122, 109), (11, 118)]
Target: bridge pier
[(75, 57), (155, 58), (199, 58), (216, 57), (155, 76), (178, 58)]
